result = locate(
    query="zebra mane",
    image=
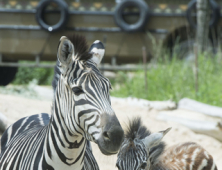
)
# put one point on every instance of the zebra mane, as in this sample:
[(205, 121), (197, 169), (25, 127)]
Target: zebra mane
[(137, 130), (81, 47), (81, 50)]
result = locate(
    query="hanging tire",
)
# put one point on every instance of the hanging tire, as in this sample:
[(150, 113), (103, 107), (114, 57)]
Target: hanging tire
[(140, 24), (7, 75), (40, 10), (215, 15)]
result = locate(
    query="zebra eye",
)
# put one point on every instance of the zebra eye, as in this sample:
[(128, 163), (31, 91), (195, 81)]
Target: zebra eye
[(143, 166), (77, 90)]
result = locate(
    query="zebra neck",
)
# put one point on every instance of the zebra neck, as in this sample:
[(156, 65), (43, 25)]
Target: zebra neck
[(62, 149)]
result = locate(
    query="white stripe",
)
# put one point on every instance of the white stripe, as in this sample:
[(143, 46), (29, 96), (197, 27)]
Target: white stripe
[(9, 133), (184, 161), (194, 158), (213, 167), (206, 154), (203, 164)]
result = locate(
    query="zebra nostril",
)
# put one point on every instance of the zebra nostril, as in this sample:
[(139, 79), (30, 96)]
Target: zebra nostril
[(106, 136)]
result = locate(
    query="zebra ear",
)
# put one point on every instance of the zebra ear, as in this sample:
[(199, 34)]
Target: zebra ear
[(155, 138), (65, 50), (97, 50)]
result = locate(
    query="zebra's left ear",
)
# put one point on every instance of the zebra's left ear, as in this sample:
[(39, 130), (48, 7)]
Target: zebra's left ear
[(65, 50), (155, 138), (97, 50)]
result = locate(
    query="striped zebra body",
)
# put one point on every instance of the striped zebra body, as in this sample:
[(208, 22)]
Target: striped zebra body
[(142, 149), (30, 132), (39, 121), (81, 113)]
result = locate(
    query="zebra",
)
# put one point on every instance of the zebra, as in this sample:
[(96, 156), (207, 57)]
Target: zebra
[(142, 149), (81, 112)]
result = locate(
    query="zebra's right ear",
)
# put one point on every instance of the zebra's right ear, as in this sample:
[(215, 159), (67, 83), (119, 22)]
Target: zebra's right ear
[(155, 138), (65, 50), (97, 50)]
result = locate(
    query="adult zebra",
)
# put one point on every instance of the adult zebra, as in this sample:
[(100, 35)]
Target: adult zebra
[(81, 111), (90, 162)]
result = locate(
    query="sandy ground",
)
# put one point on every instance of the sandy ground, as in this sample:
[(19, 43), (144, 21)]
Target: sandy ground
[(15, 107)]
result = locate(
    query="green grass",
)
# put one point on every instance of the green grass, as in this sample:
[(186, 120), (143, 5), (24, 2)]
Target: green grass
[(43, 76), (174, 80)]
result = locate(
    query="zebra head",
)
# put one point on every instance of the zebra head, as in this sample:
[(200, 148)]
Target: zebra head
[(140, 148), (84, 93)]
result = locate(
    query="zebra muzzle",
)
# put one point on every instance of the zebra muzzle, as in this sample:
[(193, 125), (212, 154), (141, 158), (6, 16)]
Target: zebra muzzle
[(112, 136)]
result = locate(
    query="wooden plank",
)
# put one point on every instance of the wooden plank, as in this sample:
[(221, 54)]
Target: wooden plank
[(196, 106), (210, 128)]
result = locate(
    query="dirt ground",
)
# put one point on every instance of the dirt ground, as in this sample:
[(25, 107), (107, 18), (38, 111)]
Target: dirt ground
[(15, 107)]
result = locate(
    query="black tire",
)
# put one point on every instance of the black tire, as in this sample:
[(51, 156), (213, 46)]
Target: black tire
[(7, 75), (213, 20), (140, 24), (63, 19)]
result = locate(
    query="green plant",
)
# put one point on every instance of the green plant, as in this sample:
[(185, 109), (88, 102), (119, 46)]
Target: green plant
[(43, 76), (174, 80)]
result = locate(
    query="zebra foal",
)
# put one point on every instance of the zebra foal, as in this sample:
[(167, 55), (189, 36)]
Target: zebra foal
[(143, 150), (81, 112)]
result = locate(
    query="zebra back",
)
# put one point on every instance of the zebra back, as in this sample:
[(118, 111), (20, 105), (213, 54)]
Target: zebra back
[(188, 156)]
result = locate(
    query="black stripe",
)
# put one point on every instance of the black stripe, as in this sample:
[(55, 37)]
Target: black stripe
[(93, 123), (77, 159), (83, 112)]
